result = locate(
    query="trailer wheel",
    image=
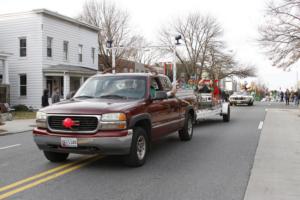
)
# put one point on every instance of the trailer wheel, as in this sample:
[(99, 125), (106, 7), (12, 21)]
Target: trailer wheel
[(226, 117)]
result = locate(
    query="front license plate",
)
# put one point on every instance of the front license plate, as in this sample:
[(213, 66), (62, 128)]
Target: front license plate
[(68, 142)]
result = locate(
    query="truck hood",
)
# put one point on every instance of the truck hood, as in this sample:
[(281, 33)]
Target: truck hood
[(90, 106)]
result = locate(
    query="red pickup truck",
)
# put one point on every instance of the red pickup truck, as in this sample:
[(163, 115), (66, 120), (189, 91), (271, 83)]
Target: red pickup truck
[(114, 114)]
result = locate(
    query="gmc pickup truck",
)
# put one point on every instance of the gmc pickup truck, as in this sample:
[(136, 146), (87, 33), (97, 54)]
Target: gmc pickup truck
[(114, 114)]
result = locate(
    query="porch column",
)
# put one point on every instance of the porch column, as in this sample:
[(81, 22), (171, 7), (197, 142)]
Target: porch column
[(66, 85), (81, 80), (5, 72)]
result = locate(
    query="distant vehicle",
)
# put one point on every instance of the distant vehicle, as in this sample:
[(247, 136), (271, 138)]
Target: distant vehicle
[(241, 98)]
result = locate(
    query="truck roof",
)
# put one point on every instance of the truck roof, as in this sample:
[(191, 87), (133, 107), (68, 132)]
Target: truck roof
[(129, 74)]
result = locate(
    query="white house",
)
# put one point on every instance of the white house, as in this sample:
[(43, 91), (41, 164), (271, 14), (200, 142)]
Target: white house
[(48, 50)]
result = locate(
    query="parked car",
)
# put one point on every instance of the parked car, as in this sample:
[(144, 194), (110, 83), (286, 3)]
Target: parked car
[(241, 98), (114, 114)]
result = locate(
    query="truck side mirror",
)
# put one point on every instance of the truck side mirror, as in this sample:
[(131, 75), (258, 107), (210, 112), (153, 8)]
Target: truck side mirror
[(160, 95)]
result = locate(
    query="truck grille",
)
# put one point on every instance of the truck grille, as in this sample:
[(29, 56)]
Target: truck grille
[(87, 124), (239, 98)]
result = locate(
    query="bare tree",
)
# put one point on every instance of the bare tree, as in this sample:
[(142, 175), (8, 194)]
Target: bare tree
[(143, 54), (114, 26), (203, 48), (198, 34), (281, 32), (222, 64)]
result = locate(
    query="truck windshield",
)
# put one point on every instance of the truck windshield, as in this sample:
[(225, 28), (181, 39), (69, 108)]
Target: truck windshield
[(241, 93), (113, 87)]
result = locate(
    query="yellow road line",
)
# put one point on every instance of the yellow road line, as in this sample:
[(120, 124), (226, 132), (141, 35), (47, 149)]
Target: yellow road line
[(10, 186), (47, 178)]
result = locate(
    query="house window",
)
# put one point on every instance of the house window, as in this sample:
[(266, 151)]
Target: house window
[(93, 55), (49, 47), (80, 53), (23, 85), (66, 50), (1, 78), (23, 47)]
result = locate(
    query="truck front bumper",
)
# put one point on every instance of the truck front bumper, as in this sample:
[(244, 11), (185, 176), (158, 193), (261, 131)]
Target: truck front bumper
[(106, 143), (240, 101)]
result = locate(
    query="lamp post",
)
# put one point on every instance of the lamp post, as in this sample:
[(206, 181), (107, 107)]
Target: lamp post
[(113, 55), (297, 84), (177, 38)]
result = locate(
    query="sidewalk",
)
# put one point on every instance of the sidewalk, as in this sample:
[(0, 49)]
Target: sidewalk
[(17, 126), (276, 171)]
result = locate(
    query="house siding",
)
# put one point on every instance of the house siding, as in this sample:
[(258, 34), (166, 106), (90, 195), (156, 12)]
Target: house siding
[(11, 29), (64, 31), (36, 27)]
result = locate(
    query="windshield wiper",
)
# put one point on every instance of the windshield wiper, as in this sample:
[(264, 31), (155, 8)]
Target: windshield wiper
[(85, 96), (113, 96)]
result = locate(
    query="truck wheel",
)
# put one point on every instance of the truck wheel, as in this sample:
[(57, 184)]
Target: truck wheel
[(186, 133), (56, 157), (226, 118), (139, 148)]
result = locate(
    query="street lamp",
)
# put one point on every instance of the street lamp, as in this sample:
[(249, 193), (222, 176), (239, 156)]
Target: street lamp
[(177, 38), (109, 43), (113, 63)]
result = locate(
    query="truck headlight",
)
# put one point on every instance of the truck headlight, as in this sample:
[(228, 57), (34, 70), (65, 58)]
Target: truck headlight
[(41, 115), (113, 121), (41, 118)]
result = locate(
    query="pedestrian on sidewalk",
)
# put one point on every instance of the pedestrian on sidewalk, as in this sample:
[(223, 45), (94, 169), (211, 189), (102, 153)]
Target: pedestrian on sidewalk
[(281, 96), (297, 97), (287, 97), (56, 96), (45, 98)]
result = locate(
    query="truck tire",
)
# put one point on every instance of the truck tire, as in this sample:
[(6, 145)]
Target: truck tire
[(186, 133), (56, 157), (226, 117), (139, 148)]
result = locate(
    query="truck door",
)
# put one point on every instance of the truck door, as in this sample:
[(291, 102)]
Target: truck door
[(159, 110), (173, 113)]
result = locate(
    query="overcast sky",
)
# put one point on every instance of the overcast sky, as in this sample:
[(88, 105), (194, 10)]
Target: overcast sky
[(239, 18)]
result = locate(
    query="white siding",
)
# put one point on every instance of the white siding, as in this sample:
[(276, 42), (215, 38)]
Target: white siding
[(64, 31), (36, 28), (11, 28), (1, 67)]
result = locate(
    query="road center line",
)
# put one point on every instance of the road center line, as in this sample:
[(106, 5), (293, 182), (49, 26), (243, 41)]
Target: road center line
[(61, 167), (10, 146), (48, 178), (260, 126)]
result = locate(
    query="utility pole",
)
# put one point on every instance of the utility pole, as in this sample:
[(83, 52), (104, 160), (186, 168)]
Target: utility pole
[(174, 65), (177, 38), (297, 84), (113, 63), (109, 46)]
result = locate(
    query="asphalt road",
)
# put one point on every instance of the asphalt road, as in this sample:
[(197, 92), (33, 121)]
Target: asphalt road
[(215, 164)]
